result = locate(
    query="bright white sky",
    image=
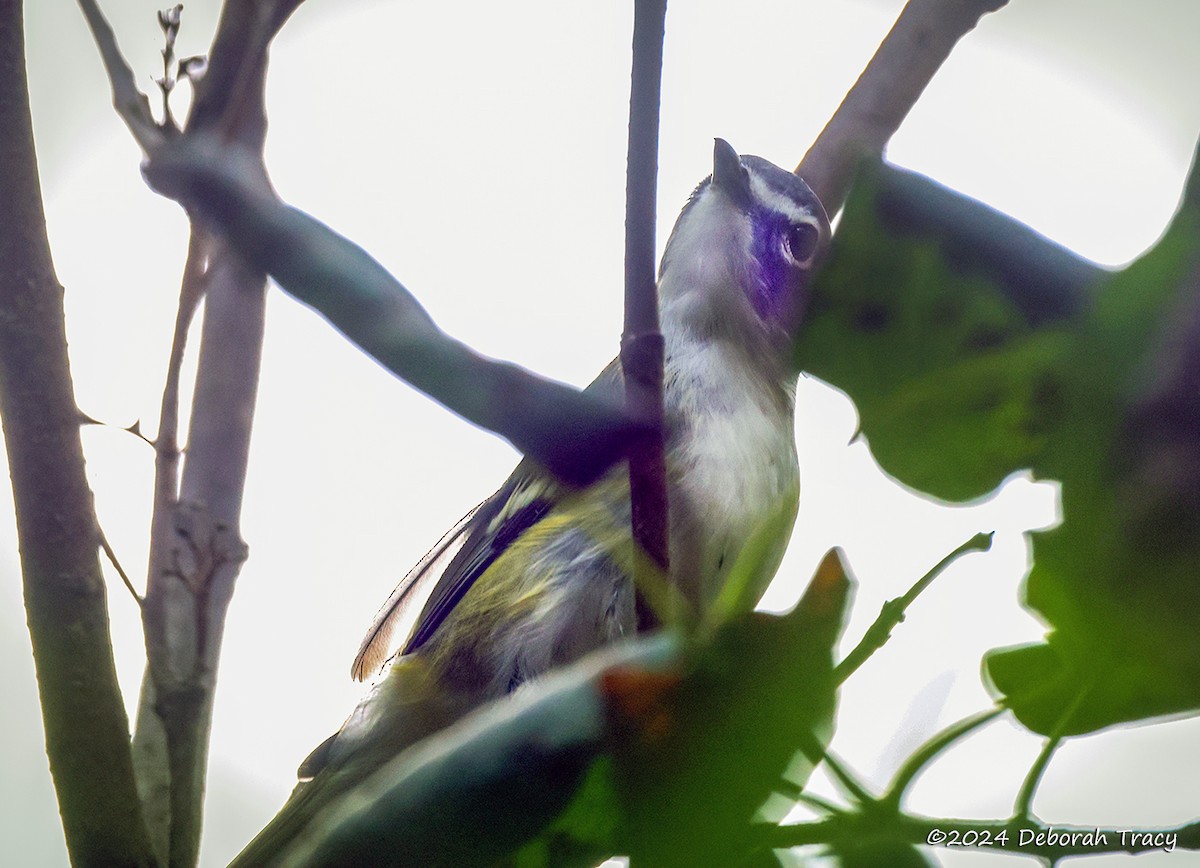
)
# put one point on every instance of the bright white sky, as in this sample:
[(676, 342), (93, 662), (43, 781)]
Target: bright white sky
[(478, 152)]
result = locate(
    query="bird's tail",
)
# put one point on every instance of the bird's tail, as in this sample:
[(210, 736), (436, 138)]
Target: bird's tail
[(405, 707)]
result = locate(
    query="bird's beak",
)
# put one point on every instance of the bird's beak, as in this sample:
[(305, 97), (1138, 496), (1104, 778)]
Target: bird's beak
[(729, 175)]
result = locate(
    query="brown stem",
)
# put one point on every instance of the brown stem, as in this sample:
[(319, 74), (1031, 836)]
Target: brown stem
[(909, 56), (87, 731)]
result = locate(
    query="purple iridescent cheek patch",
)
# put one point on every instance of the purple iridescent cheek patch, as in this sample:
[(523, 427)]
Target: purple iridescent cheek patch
[(778, 284)]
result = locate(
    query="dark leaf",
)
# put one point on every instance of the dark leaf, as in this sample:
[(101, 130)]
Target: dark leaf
[(974, 349)]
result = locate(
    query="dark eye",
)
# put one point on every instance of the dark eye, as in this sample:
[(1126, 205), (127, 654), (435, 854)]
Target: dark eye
[(802, 240)]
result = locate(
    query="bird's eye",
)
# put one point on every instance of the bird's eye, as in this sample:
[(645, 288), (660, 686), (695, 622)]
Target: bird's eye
[(802, 240)]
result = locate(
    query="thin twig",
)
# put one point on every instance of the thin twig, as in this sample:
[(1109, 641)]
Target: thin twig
[(1023, 810), (168, 20), (150, 748), (642, 342), (131, 105), (916, 763), (166, 442), (909, 56), (893, 611), (112, 559)]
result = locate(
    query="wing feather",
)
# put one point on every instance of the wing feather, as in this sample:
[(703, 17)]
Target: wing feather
[(521, 504), (467, 550), (376, 645)]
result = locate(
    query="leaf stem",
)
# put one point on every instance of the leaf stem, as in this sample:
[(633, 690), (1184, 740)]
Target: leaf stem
[(892, 612)]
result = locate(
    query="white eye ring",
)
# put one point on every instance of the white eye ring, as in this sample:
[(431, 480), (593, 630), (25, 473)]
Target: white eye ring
[(801, 243)]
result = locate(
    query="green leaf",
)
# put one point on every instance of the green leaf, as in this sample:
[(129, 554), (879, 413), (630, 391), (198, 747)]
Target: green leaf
[(697, 755), (967, 365), (954, 377), (1118, 579)]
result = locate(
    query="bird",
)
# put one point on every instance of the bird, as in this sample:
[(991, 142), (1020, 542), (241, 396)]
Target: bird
[(540, 573)]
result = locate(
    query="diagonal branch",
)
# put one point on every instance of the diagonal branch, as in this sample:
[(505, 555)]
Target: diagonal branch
[(929, 751), (906, 61), (574, 435), (893, 611)]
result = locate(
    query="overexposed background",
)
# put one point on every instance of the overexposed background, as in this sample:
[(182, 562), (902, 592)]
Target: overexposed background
[(478, 151)]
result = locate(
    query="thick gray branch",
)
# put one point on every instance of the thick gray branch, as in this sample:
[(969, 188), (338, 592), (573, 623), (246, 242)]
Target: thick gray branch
[(87, 732), (918, 44)]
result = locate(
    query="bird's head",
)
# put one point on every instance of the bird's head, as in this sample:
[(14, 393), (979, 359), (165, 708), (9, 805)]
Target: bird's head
[(743, 248)]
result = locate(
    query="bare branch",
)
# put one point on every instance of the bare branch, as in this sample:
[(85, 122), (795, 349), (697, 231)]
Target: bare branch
[(642, 346), (229, 96), (87, 731), (150, 744), (575, 436), (918, 44), (131, 105), (191, 576)]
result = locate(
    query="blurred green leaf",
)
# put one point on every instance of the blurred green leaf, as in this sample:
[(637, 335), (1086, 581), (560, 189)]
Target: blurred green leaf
[(953, 371), (1118, 579), (974, 349), (695, 757), (657, 746)]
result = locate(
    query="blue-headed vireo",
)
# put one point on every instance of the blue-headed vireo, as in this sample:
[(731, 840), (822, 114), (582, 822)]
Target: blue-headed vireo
[(539, 574)]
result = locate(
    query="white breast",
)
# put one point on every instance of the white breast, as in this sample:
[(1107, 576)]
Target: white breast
[(734, 464)]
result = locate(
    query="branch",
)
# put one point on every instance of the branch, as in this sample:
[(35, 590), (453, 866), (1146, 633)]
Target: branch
[(130, 104), (575, 436), (1023, 809), (642, 346), (229, 96), (196, 548), (87, 731), (915, 48), (150, 743), (893, 610)]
